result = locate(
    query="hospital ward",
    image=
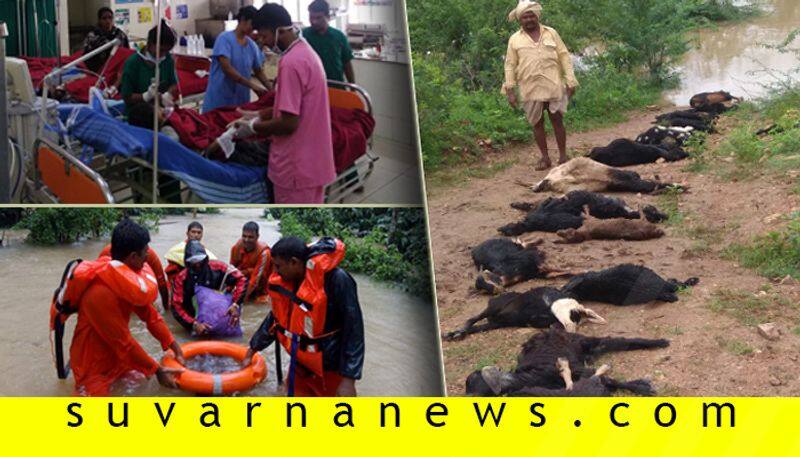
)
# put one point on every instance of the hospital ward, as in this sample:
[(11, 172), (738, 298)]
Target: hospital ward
[(207, 102)]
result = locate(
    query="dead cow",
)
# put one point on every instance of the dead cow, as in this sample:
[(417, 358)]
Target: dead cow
[(625, 284), (543, 358), (537, 308), (583, 173), (503, 263), (624, 152), (610, 229), (555, 214), (713, 102)]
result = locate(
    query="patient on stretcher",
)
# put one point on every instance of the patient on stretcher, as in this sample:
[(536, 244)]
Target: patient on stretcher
[(225, 148)]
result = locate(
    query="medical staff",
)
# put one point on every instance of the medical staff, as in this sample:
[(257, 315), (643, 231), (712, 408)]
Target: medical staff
[(329, 43), (539, 67), (301, 150), (235, 58), (139, 72)]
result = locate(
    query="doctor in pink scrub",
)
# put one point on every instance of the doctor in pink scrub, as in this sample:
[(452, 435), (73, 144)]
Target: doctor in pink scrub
[(301, 149)]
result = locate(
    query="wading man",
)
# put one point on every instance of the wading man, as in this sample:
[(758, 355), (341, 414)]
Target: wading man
[(539, 67), (315, 317)]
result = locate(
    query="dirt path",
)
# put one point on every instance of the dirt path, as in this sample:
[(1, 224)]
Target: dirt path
[(711, 352)]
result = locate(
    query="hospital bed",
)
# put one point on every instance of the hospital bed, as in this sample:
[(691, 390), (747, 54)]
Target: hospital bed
[(94, 158)]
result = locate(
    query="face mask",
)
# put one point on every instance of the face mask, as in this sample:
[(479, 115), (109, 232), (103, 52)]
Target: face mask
[(276, 49), (150, 58)]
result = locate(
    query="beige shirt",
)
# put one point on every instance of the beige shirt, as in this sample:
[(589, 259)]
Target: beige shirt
[(541, 70)]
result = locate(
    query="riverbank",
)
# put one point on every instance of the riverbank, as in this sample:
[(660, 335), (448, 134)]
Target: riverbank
[(464, 120), (736, 229)]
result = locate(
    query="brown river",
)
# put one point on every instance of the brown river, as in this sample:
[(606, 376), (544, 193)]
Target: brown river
[(732, 57), (402, 355)]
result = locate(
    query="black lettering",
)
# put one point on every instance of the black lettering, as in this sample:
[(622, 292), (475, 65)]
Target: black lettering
[(673, 414), (614, 415), (537, 414), (289, 408), (250, 408), (213, 412), (430, 412), (718, 408), (489, 410), (164, 420), (124, 422), (72, 411), (348, 412), (396, 414)]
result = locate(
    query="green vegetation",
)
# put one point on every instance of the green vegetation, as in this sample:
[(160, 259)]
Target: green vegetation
[(774, 255), (48, 226), (458, 54), (735, 347), (389, 244), (749, 309)]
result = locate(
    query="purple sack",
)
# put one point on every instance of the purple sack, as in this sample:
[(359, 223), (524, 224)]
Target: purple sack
[(211, 308)]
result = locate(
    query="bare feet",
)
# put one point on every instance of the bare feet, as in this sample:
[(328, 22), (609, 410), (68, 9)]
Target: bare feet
[(563, 159), (544, 164)]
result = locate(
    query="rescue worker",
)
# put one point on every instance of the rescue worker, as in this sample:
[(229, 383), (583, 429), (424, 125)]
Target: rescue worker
[(539, 66), (252, 258), (154, 262), (315, 316), (175, 254), (107, 291), (213, 274)]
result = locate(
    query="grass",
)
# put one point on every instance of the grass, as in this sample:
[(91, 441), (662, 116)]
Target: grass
[(669, 203), (749, 309), (774, 255), (733, 346)]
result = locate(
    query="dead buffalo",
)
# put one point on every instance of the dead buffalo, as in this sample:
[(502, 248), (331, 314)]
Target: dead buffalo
[(625, 284), (583, 173), (624, 152), (538, 308), (538, 364)]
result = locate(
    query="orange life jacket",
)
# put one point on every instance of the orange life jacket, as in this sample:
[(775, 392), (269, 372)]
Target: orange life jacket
[(139, 288), (302, 313)]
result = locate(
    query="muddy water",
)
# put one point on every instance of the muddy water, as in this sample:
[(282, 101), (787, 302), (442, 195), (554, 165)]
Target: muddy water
[(732, 56), (401, 356)]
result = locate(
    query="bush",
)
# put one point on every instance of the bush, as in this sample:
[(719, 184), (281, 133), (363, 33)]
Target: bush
[(48, 226), (388, 244)]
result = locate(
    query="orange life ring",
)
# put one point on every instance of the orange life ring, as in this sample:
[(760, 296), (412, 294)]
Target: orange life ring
[(217, 384)]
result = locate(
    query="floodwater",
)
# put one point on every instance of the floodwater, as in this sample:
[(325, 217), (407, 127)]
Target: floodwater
[(402, 356), (732, 57)]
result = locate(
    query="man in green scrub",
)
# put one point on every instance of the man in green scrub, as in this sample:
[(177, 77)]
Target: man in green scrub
[(139, 72), (329, 43)]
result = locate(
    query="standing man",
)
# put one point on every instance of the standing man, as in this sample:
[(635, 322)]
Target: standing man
[(111, 289), (316, 317), (252, 258), (301, 149), (154, 262), (329, 43), (234, 60), (175, 254), (105, 32), (538, 64)]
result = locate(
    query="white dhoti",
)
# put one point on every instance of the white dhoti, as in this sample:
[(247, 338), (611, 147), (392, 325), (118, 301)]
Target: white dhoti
[(535, 109)]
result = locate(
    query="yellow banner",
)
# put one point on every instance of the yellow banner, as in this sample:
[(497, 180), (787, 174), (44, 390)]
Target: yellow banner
[(62, 427)]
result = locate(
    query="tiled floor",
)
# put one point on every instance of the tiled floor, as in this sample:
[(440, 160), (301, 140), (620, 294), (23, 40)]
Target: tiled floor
[(395, 179)]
